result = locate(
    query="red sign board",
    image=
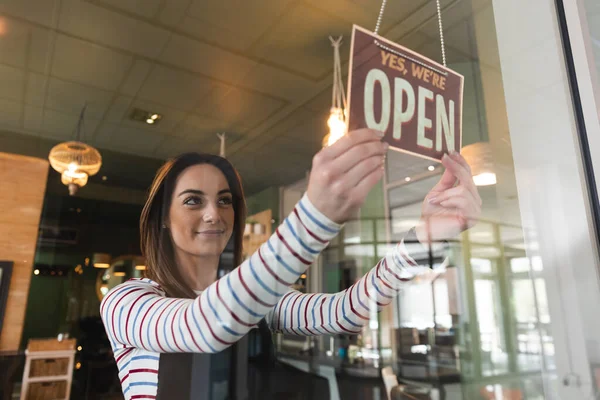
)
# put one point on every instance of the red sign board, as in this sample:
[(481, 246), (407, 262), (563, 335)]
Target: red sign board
[(414, 100)]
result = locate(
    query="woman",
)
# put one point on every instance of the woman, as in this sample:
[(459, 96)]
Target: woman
[(196, 204)]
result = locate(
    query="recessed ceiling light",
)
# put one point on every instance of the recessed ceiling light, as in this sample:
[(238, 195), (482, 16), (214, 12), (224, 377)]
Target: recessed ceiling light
[(36, 272), (149, 117), (104, 178), (407, 179), (431, 167)]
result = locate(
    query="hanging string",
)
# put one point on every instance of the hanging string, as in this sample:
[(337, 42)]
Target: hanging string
[(221, 137), (334, 96), (439, 15), (80, 128), (406, 56), (81, 122), (380, 17), (338, 95)]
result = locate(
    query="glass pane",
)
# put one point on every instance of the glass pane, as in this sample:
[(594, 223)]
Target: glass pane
[(352, 231), (497, 310), (481, 266), (400, 166), (592, 9), (403, 219), (416, 307), (483, 233), (494, 356)]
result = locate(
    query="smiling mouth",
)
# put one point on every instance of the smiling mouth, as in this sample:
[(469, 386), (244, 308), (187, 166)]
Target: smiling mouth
[(215, 232)]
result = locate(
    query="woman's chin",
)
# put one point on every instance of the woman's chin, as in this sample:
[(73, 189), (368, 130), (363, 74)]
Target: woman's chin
[(210, 250)]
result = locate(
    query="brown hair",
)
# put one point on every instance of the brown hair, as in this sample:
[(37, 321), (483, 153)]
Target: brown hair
[(156, 244)]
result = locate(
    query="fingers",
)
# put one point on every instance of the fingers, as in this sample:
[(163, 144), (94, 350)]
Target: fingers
[(348, 141), (456, 156), (446, 182), (354, 185), (357, 173), (465, 208), (459, 191), (461, 200), (358, 153), (362, 189), (461, 170)]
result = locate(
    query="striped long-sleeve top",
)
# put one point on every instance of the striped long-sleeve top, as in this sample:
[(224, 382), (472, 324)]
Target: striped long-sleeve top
[(141, 322)]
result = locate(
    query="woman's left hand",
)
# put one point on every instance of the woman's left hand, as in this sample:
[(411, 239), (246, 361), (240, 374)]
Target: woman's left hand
[(450, 208)]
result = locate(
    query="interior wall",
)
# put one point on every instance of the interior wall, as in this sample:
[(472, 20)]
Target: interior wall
[(265, 200), (23, 187)]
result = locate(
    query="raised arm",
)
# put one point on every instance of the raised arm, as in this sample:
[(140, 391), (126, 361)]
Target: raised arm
[(137, 315), (347, 311), (452, 205)]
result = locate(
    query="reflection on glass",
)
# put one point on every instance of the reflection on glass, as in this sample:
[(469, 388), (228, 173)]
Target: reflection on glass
[(494, 357), (482, 266), (352, 231), (482, 233)]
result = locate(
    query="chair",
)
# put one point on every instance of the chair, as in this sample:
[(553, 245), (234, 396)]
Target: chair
[(405, 390), (389, 380)]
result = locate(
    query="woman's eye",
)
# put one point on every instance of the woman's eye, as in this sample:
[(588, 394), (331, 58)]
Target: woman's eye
[(192, 201), (225, 201)]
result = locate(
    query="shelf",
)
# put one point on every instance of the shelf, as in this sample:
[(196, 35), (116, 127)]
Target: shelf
[(55, 378), (37, 355)]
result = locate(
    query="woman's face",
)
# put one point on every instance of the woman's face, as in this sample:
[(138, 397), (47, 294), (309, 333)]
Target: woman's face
[(201, 216)]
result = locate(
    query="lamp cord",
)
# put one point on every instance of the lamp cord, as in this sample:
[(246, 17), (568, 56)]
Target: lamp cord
[(81, 122)]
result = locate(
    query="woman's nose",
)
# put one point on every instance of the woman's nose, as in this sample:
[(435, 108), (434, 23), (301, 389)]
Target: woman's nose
[(211, 215)]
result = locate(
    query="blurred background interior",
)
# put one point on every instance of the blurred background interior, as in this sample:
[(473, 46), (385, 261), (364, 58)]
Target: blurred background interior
[(510, 313)]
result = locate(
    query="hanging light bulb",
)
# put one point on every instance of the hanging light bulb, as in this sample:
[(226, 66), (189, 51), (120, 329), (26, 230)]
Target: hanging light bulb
[(337, 125), (337, 115)]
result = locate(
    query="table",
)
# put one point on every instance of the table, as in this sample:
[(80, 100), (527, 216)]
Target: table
[(436, 378)]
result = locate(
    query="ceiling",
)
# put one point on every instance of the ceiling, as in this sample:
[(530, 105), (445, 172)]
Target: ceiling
[(260, 71)]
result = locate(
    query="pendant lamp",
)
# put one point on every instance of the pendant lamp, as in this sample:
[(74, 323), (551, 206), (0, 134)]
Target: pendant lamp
[(479, 157), (101, 260), (75, 160)]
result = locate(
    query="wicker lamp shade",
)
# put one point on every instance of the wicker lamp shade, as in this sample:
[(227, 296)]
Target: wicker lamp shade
[(479, 157), (75, 161)]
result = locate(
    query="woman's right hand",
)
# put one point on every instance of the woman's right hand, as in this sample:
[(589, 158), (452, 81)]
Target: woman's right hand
[(343, 174)]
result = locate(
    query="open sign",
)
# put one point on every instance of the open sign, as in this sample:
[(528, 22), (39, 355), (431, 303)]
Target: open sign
[(415, 101)]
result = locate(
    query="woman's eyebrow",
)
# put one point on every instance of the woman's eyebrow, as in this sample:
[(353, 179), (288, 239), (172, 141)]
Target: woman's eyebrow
[(201, 193), (191, 191)]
